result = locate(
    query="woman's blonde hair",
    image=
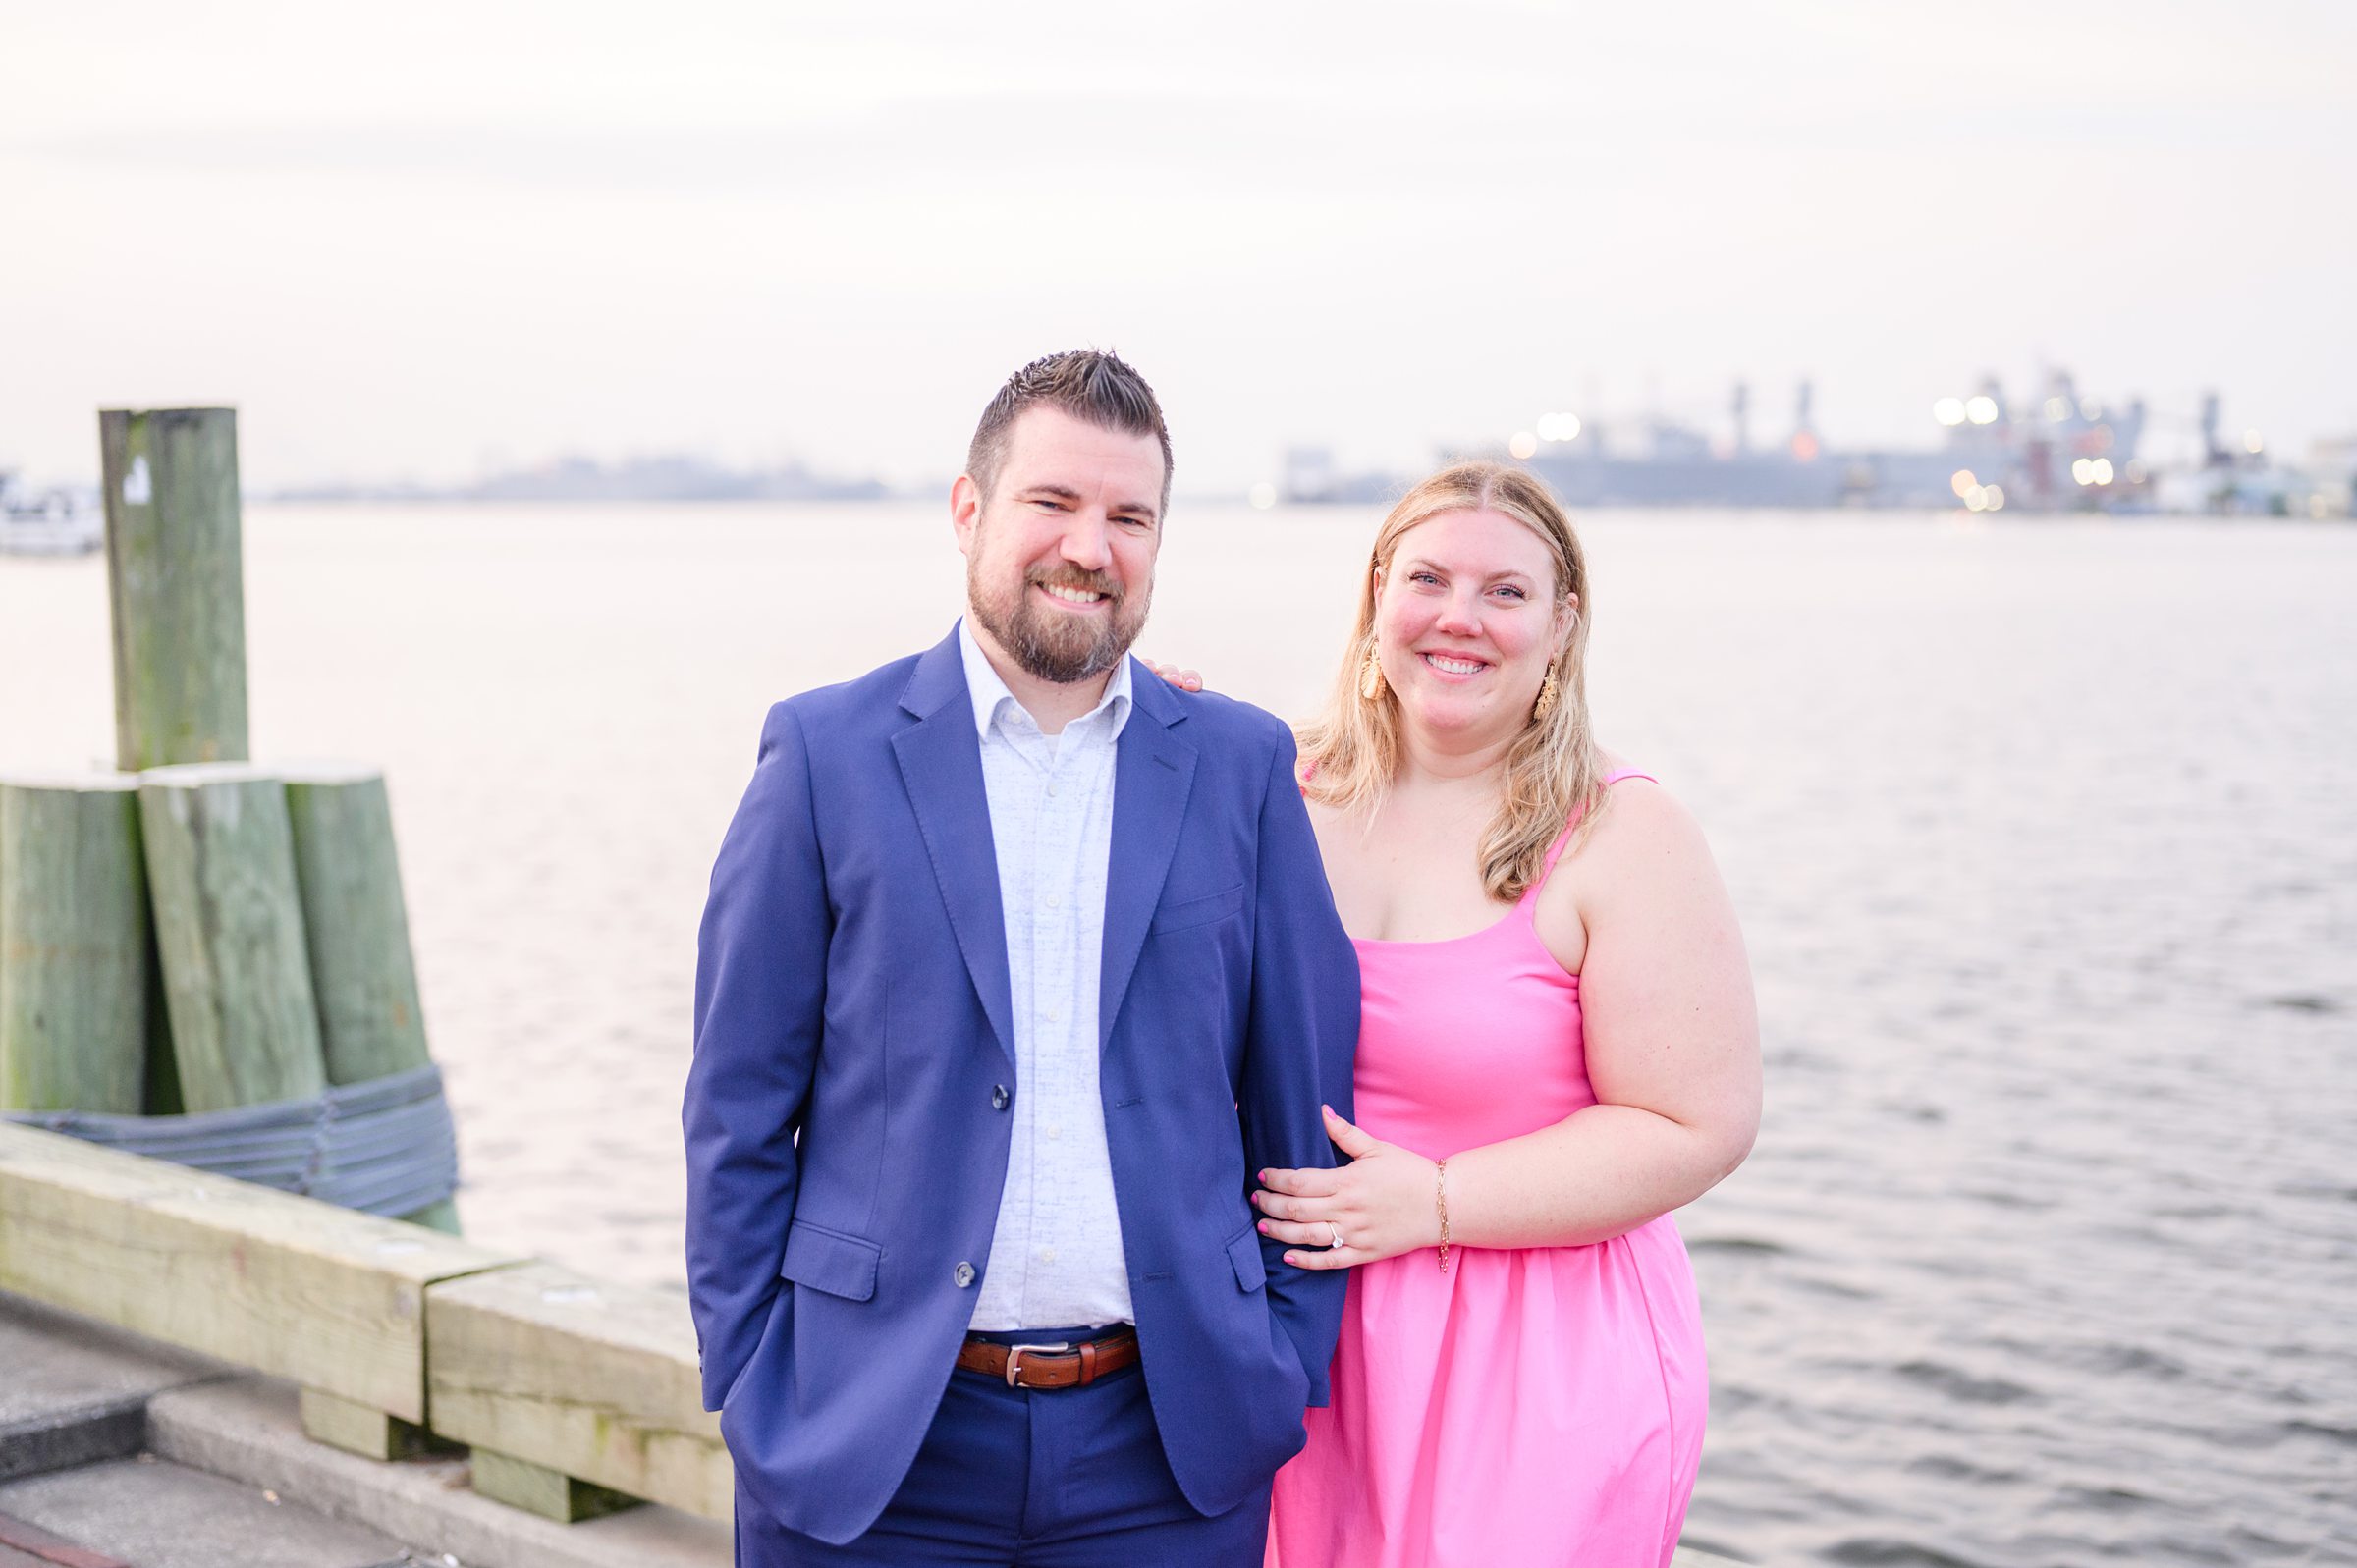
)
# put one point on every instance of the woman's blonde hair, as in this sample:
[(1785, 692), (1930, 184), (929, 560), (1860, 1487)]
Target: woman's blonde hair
[(1351, 754)]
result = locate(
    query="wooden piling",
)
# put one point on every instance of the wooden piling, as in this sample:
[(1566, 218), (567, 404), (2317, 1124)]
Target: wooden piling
[(356, 925), (176, 584), (228, 929), (77, 956)]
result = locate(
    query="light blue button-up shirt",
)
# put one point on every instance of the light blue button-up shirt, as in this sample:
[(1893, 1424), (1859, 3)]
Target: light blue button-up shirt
[(1055, 1258)]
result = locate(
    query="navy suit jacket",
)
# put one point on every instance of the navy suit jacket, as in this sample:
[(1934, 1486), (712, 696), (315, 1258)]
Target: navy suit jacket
[(846, 1144)]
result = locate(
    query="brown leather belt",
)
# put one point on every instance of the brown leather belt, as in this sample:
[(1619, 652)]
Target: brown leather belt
[(1055, 1366)]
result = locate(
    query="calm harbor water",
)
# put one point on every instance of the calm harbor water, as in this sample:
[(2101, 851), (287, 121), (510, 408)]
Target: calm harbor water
[(2044, 834)]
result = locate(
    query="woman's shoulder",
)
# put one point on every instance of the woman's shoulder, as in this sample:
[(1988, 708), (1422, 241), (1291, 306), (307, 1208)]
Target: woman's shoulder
[(1643, 816), (1621, 777), (1643, 861)]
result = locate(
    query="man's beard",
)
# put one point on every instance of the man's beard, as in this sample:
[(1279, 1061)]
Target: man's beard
[(1048, 644)]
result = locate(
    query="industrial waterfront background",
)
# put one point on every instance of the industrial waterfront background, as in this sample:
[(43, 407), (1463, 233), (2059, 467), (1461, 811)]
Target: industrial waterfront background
[(2040, 831)]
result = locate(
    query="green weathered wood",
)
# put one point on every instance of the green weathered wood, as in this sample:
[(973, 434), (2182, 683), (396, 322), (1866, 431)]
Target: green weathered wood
[(175, 581), (356, 923), (363, 1429), (74, 944), (358, 928), (331, 1299), (536, 1489), (586, 1378), (229, 932)]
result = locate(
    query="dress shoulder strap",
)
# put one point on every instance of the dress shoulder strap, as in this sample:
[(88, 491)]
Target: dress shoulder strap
[(1563, 841)]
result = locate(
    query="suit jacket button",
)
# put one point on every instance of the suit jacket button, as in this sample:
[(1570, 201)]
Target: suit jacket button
[(965, 1276), (998, 1097)]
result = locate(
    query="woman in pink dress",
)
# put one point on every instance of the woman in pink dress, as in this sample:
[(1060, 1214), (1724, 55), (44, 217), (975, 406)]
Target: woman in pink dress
[(1557, 1048)]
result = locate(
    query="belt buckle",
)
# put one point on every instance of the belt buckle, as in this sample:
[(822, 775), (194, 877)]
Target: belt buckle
[(1015, 1357)]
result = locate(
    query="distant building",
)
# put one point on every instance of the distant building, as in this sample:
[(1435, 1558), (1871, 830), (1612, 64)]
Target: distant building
[(2333, 468), (2048, 456)]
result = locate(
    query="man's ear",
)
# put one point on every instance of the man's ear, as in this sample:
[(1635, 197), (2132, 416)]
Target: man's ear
[(965, 512)]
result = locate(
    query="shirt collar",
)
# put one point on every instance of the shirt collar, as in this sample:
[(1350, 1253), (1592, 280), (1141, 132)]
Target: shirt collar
[(983, 685)]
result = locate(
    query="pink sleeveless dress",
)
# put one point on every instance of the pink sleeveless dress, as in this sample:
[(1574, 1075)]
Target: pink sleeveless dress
[(1527, 1408)]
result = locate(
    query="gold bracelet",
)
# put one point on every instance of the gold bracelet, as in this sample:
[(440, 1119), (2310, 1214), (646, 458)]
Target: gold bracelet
[(1439, 1199)]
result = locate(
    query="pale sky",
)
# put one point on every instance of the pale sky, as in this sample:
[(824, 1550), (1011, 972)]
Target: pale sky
[(410, 240)]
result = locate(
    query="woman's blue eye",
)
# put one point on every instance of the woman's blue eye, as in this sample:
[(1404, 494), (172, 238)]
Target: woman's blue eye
[(1517, 592), (1422, 576)]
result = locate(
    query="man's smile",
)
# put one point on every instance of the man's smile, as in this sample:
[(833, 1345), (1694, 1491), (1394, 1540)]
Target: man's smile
[(1074, 598)]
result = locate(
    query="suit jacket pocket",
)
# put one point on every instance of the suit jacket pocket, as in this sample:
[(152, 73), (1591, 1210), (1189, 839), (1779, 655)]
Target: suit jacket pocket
[(830, 1260), (1193, 912), (1243, 1255)]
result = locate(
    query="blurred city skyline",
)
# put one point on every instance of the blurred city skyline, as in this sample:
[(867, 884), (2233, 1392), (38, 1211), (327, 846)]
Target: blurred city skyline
[(431, 242)]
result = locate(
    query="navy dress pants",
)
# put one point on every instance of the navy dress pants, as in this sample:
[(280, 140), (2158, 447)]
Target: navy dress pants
[(1013, 1477)]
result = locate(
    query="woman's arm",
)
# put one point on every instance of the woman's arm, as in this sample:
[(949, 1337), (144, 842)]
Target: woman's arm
[(1672, 1049)]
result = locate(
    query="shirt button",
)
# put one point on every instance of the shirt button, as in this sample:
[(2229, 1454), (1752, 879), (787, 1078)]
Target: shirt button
[(964, 1275), (1047, 1255), (1054, 1132), (1051, 786), (998, 1097), (1055, 902)]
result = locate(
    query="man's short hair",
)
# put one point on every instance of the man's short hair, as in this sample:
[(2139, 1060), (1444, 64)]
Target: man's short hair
[(1087, 384)]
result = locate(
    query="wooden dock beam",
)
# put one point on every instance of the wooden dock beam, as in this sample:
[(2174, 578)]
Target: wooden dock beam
[(331, 1299), (580, 1378), (578, 1396)]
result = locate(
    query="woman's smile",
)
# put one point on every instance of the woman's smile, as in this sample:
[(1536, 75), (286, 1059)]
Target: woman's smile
[(1453, 665)]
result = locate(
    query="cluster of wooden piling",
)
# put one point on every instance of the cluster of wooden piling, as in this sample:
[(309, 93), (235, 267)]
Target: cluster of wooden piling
[(194, 932)]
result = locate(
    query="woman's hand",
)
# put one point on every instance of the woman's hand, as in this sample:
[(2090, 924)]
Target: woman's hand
[(1378, 1205), (1184, 680)]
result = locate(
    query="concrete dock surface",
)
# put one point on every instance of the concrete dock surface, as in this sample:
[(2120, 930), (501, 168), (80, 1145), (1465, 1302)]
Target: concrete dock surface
[(117, 1452)]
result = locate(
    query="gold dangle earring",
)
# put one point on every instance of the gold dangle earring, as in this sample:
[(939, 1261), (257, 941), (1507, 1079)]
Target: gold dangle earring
[(1370, 678), (1546, 695)]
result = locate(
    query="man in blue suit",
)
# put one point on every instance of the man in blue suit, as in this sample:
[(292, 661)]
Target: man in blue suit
[(1018, 966)]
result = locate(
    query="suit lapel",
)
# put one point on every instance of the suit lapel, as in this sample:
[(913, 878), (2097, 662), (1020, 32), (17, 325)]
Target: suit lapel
[(941, 764), (1153, 772)]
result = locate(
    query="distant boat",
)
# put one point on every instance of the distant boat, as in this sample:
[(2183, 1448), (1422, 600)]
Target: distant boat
[(57, 521)]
